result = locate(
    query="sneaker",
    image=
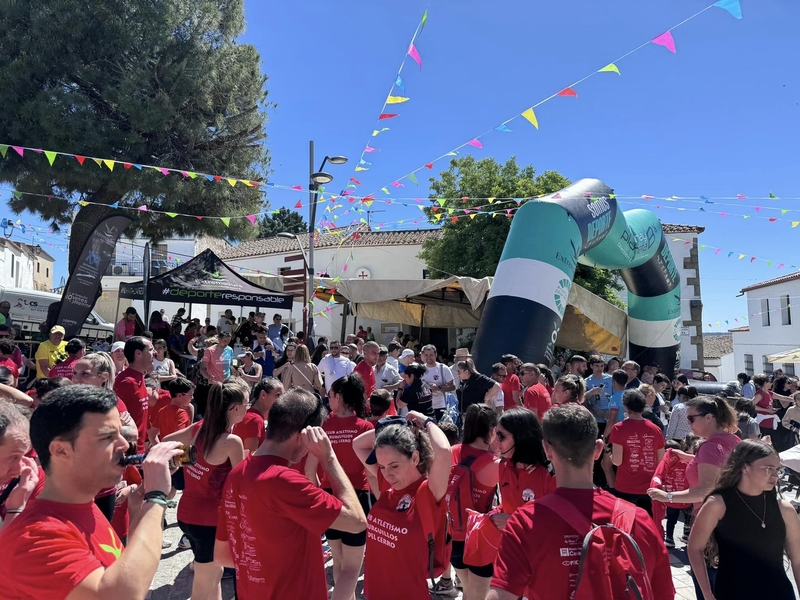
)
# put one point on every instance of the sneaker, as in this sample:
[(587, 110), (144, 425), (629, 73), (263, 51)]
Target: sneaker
[(669, 542), (228, 573), (165, 544), (184, 544), (444, 587)]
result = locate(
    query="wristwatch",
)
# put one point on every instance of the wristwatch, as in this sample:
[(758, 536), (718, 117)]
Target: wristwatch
[(428, 420), (669, 496)]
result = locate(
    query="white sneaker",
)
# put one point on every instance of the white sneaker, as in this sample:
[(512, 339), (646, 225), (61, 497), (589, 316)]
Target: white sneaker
[(184, 544)]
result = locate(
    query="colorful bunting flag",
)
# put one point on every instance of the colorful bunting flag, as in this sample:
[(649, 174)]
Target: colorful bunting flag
[(387, 116), (252, 219), (732, 6), (666, 40), (376, 132), (531, 116), (412, 52), (568, 92), (396, 99), (51, 156), (413, 178), (503, 128), (475, 143), (399, 83), (226, 221), (610, 68), (424, 20)]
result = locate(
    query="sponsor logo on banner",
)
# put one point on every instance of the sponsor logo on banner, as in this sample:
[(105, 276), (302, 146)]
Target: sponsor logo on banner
[(549, 352), (571, 261), (600, 209), (561, 294)]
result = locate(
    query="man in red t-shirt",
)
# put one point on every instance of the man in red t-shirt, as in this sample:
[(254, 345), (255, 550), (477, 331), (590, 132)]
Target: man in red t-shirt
[(536, 397), (17, 464), (272, 517), (7, 359), (61, 545), (129, 384), (540, 551), (76, 350), (512, 387), (251, 429), (366, 367)]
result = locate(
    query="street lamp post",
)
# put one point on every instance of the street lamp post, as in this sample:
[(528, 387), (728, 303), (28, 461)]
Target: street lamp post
[(316, 179)]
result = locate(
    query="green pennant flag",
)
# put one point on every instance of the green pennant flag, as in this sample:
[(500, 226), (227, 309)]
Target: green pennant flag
[(784, 211), (424, 20), (226, 220), (16, 194), (51, 156), (441, 201), (3, 150), (413, 178), (173, 215), (384, 190)]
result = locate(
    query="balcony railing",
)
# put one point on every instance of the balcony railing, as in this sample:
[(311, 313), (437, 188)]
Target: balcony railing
[(135, 268)]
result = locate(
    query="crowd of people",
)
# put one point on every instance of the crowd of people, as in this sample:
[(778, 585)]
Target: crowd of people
[(417, 471)]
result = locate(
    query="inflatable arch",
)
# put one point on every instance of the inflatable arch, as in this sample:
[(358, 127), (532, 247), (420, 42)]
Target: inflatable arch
[(580, 224)]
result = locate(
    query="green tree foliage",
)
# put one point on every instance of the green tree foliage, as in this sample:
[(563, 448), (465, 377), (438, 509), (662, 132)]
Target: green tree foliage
[(160, 83), (472, 247), (281, 220)]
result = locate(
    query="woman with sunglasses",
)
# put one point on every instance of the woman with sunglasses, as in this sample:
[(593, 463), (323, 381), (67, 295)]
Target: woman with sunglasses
[(752, 528)]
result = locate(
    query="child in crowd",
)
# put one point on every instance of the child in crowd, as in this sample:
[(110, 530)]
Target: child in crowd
[(670, 476), (379, 403)]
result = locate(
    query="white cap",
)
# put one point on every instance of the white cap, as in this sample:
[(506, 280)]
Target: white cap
[(117, 346), (407, 352)]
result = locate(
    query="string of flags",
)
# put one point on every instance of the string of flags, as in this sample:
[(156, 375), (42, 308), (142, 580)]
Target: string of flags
[(718, 213), (737, 321), (735, 254), (664, 39), (397, 95)]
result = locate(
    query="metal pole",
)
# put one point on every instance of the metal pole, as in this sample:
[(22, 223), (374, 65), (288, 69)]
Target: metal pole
[(308, 319)]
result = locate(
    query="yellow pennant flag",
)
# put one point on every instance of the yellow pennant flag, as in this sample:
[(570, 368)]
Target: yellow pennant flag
[(741, 256), (473, 215), (98, 161), (531, 116), (109, 164), (83, 203), (491, 200), (232, 182), (360, 169), (396, 99), (795, 224), (610, 68), (226, 220)]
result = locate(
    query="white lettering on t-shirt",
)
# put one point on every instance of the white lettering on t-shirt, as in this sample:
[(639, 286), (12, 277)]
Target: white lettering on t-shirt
[(384, 532)]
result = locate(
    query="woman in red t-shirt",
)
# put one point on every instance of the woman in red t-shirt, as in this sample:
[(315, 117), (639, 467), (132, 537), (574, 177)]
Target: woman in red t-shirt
[(480, 424), (412, 462), (218, 451), (763, 402), (345, 423), (637, 447)]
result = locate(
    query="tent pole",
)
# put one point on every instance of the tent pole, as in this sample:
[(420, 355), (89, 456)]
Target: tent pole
[(190, 311), (345, 308), (119, 298)]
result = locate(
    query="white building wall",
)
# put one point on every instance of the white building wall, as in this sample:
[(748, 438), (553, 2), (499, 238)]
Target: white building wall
[(763, 340), (681, 251), (16, 267)]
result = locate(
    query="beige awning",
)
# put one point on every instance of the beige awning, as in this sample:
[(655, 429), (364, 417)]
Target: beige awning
[(590, 323), (788, 356)]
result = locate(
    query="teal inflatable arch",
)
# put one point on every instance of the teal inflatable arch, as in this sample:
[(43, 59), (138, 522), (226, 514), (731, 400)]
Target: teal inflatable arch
[(580, 224)]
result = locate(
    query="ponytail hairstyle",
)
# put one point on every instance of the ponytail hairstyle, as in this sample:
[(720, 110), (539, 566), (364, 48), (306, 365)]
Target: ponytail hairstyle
[(351, 389), (718, 407), (221, 397), (406, 441), (574, 386), (479, 422), (526, 428), (744, 454), (545, 371), (103, 363)]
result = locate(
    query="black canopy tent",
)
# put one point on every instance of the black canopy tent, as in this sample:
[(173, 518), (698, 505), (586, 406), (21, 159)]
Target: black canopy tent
[(206, 279)]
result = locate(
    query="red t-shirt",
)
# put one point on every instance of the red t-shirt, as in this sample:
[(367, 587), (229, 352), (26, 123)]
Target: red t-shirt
[(202, 495), (51, 547), (640, 440), (121, 521), (396, 559), (252, 426), (342, 432), (170, 419), (9, 364), (510, 385), (670, 476), (537, 399), (520, 486), (129, 387), (482, 495), (273, 518), (164, 400), (540, 553), (36, 490), (64, 369), (368, 375)]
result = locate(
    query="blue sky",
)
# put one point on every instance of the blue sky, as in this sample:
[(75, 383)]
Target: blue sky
[(719, 118)]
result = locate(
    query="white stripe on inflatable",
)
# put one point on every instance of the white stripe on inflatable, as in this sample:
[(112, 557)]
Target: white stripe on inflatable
[(532, 280), (654, 334)]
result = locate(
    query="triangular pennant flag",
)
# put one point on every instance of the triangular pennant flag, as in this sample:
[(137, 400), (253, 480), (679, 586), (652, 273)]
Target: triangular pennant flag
[(454, 219), (741, 256), (556, 197), (413, 178), (356, 181), (397, 184), (232, 182), (396, 99), (83, 203), (503, 128), (198, 217), (252, 219), (475, 143), (752, 259), (442, 201), (473, 215), (51, 156), (361, 169), (171, 214), (568, 92), (16, 194), (109, 164), (142, 208), (784, 211), (429, 165), (19, 150), (387, 116), (379, 131), (369, 149), (226, 221), (666, 40), (772, 219), (730, 254), (795, 224), (769, 263), (610, 68), (299, 204), (741, 196), (412, 52), (298, 188), (773, 196), (531, 116), (3, 150), (491, 200), (424, 20), (115, 205), (732, 6), (385, 190), (399, 83)]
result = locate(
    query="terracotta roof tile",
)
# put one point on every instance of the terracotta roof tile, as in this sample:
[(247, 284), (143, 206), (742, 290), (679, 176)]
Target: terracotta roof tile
[(740, 329), (716, 345), (769, 282)]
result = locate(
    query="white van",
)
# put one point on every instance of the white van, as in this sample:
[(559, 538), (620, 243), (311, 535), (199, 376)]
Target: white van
[(29, 309)]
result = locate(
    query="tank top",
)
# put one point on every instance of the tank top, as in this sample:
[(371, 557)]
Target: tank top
[(202, 495), (161, 367), (520, 486), (482, 495), (751, 556)]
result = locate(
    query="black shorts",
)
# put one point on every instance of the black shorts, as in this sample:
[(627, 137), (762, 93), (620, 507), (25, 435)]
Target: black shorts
[(178, 481), (457, 560), (201, 538), (366, 499)]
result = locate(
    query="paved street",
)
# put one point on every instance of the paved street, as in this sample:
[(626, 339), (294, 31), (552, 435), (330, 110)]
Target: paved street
[(173, 580)]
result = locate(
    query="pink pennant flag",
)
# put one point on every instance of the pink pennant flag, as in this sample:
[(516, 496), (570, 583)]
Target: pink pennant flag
[(723, 214), (397, 184), (297, 187), (741, 196), (164, 171), (780, 265), (252, 219), (19, 150), (429, 165), (756, 208), (412, 52), (568, 92), (417, 199), (475, 143), (344, 268), (646, 197), (556, 197), (718, 251), (369, 149), (143, 208), (666, 40)]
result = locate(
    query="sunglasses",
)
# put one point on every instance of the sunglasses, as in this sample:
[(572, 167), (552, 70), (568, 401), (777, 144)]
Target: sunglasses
[(691, 418)]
